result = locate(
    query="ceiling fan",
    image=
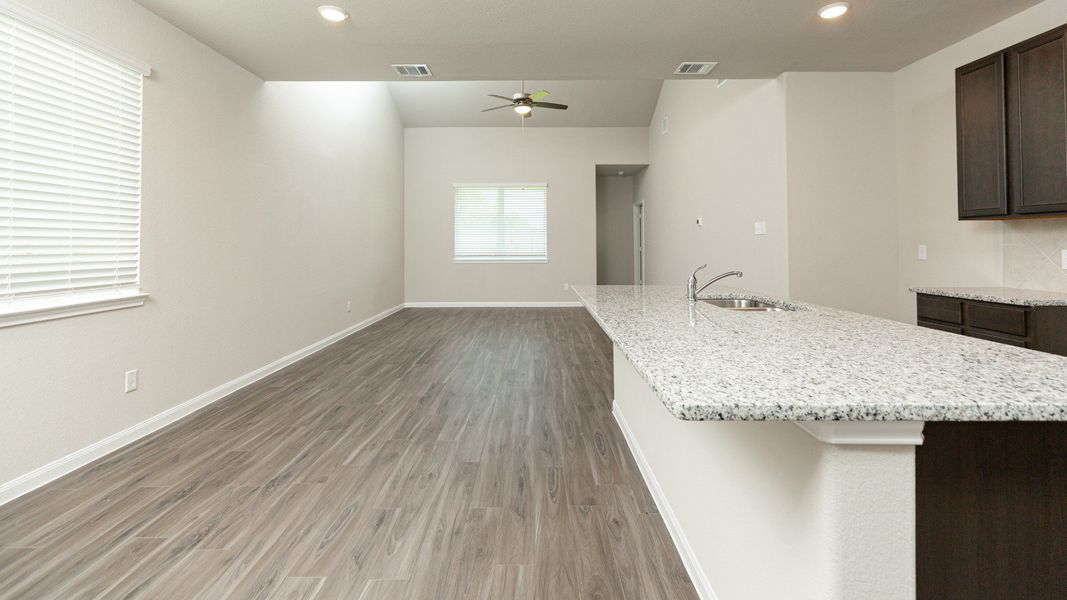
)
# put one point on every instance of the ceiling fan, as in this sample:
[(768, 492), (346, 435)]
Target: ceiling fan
[(524, 103)]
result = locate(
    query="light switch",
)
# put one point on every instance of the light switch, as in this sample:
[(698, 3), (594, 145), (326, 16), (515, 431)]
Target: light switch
[(700, 221), (664, 125), (922, 251), (761, 228), (131, 380)]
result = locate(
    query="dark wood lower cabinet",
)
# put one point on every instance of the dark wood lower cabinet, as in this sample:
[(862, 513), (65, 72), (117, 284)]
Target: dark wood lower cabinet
[(1041, 328), (991, 511)]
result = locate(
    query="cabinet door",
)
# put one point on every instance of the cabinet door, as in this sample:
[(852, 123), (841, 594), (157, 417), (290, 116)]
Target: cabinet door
[(980, 139), (1037, 124)]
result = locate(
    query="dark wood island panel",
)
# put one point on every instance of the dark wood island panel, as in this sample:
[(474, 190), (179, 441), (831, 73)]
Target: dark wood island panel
[(991, 511)]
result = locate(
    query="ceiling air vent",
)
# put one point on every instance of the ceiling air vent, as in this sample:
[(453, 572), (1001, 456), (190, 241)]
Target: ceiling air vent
[(695, 68), (413, 70)]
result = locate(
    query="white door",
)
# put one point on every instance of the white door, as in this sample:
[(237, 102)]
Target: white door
[(639, 243)]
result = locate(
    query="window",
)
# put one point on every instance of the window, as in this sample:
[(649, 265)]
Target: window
[(70, 174), (501, 223)]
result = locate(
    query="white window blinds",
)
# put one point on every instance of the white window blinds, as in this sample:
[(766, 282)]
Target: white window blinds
[(501, 223), (70, 166)]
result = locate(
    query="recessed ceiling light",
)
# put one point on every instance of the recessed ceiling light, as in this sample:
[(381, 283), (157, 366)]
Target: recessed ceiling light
[(835, 10), (334, 14)]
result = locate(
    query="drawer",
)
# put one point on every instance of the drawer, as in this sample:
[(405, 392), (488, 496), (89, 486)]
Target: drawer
[(940, 326), (998, 317), (936, 308), (992, 337)]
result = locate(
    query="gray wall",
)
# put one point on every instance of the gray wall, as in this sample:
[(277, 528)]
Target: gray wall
[(615, 230)]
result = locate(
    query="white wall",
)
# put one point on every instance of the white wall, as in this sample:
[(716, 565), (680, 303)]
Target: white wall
[(565, 158), (960, 252), (265, 208), (615, 230), (840, 152), (723, 159), (767, 511)]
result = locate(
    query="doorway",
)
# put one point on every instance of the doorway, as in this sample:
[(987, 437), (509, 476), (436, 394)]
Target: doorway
[(619, 225)]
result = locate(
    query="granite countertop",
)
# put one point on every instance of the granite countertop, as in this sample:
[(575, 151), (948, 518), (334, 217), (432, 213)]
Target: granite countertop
[(817, 363), (1002, 295)]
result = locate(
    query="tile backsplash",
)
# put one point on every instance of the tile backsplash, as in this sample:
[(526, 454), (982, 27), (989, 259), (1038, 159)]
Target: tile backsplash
[(1032, 254)]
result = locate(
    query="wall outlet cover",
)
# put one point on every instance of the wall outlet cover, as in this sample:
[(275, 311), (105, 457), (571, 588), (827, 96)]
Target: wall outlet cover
[(761, 228), (922, 251), (131, 380), (566, 286)]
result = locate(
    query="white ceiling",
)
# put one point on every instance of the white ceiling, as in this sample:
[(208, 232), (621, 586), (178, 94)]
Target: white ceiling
[(591, 103), (591, 39)]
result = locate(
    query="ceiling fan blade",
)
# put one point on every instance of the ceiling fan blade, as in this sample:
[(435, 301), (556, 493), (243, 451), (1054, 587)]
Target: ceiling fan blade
[(497, 108), (550, 105), (501, 97), (538, 95)]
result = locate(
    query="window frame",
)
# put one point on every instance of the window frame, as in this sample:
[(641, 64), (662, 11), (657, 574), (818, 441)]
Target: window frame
[(31, 309), (500, 259)]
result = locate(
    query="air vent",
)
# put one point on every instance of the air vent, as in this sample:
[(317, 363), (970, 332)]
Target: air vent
[(695, 68), (413, 70)]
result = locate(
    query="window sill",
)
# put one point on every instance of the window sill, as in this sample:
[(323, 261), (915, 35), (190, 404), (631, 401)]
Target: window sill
[(501, 259), (33, 310)]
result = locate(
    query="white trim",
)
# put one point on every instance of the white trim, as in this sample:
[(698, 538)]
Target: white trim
[(58, 468), (549, 304), (40, 21), (685, 551), (499, 185), (46, 308), (500, 259), (877, 433)]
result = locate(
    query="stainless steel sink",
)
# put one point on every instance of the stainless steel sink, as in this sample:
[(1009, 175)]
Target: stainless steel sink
[(742, 304)]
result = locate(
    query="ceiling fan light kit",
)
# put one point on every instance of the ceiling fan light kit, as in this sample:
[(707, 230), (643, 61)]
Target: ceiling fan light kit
[(523, 103)]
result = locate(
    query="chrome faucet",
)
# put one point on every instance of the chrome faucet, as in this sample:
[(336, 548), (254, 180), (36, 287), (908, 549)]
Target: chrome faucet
[(691, 287)]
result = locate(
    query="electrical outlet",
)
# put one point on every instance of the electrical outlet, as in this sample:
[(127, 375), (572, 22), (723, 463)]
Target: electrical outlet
[(131, 381), (700, 221), (922, 251), (566, 286), (761, 228), (348, 306)]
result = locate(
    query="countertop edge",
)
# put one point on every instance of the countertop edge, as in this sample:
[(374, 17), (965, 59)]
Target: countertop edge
[(703, 410)]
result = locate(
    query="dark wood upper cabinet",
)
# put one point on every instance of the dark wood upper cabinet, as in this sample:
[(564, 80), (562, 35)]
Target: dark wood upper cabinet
[(981, 143), (1011, 131), (1037, 121)]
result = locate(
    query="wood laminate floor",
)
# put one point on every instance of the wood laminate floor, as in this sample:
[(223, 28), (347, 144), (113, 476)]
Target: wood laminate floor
[(441, 453)]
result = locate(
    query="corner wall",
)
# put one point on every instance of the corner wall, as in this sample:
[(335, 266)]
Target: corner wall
[(266, 207), (723, 159), (841, 157)]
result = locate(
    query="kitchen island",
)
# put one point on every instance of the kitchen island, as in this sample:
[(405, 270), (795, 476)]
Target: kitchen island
[(781, 445)]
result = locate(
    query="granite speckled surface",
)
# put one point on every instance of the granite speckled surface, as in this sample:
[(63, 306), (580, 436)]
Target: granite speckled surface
[(817, 363), (1002, 295)]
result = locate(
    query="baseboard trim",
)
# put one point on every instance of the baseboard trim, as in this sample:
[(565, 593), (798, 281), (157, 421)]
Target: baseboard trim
[(692, 566), (561, 304), (54, 470)]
